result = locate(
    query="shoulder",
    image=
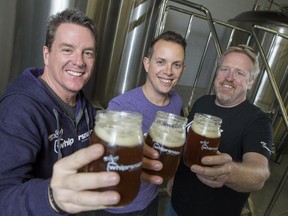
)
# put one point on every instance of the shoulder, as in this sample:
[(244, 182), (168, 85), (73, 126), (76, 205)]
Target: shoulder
[(206, 100), (127, 100), (22, 112), (128, 95), (251, 119), (204, 104), (253, 111), (174, 96)]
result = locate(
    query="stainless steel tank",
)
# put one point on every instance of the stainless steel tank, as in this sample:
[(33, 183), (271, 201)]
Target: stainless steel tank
[(276, 50), (22, 33), (124, 29)]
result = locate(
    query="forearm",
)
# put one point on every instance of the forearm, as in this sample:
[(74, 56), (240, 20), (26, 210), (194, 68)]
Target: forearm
[(247, 176)]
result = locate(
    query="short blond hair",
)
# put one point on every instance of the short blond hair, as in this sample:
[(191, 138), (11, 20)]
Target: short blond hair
[(247, 51)]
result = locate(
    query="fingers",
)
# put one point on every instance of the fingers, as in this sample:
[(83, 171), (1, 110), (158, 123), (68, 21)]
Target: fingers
[(154, 165), (75, 191), (150, 162), (88, 200), (217, 171), (66, 175), (210, 181), (150, 152), (220, 158), (91, 180), (77, 160), (152, 179), (212, 171)]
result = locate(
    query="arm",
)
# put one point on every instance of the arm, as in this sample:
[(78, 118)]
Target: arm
[(19, 196), (250, 175), (26, 161), (247, 176)]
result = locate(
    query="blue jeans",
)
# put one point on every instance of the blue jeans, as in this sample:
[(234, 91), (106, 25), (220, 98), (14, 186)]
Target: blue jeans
[(171, 211)]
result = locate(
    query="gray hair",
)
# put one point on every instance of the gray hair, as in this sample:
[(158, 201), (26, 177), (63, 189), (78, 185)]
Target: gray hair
[(247, 51)]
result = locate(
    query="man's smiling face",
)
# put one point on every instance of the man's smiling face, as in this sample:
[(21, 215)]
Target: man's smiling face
[(70, 61), (233, 79)]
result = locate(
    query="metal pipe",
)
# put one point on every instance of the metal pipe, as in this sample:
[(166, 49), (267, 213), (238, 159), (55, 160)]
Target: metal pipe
[(198, 72), (210, 21), (270, 76), (159, 24), (279, 99)]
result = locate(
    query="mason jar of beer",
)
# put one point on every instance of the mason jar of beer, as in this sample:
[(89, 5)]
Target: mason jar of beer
[(203, 138), (167, 135), (121, 135)]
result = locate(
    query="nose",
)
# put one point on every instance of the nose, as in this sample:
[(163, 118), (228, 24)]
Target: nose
[(78, 59), (230, 75), (169, 70)]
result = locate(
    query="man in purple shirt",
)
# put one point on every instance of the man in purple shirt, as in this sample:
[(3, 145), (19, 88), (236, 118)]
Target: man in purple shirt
[(164, 65)]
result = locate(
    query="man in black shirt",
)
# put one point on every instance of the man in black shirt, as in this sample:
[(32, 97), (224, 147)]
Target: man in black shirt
[(222, 186)]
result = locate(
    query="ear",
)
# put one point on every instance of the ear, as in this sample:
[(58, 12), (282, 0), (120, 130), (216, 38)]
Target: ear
[(45, 53), (146, 63), (251, 82), (184, 66)]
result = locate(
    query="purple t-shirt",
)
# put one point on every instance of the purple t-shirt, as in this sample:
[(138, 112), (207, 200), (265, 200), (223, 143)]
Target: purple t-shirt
[(135, 101)]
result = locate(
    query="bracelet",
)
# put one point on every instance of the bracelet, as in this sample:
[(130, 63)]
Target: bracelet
[(58, 209)]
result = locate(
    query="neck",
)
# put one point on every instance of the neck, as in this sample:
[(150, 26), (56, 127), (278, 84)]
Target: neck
[(227, 105), (70, 100), (154, 97)]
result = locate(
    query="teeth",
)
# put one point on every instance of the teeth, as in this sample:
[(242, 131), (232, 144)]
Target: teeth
[(166, 80), (227, 86), (73, 73)]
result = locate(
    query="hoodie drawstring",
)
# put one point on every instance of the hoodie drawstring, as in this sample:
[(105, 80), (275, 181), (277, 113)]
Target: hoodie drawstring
[(87, 121), (58, 131)]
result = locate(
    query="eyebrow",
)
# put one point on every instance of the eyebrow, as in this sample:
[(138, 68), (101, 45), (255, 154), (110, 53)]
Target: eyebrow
[(164, 59), (66, 44), (70, 45)]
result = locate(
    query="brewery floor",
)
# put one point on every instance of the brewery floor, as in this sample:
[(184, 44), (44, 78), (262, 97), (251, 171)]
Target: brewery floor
[(259, 200)]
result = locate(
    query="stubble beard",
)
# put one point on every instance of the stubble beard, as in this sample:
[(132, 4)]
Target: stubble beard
[(223, 98)]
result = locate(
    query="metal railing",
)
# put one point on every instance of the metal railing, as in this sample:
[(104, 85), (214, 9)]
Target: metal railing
[(279, 100), (251, 38)]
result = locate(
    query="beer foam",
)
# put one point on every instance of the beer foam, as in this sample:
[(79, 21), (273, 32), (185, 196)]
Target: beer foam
[(166, 136), (120, 137), (202, 130)]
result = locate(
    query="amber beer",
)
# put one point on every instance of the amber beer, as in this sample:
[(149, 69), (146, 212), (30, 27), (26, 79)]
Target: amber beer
[(203, 139), (167, 136), (121, 135)]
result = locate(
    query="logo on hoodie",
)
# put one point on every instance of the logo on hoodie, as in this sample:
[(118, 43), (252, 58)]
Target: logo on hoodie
[(56, 137)]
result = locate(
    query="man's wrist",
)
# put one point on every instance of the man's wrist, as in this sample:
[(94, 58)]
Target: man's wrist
[(53, 202)]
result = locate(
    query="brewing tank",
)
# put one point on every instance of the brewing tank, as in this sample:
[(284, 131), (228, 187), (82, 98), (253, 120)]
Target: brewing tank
[(22, 33), (276, 50), (124, 30)]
